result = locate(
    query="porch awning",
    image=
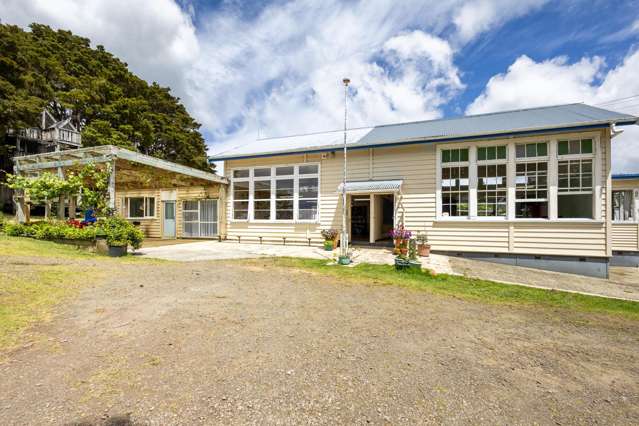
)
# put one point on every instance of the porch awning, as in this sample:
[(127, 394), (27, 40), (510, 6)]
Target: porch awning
[(372, 186)]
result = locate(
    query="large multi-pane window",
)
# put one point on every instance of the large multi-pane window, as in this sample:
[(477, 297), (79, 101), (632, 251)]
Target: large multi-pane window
[(531, 180), (623, 206), (575, 177), (455, 182), (308, 190), (491, 181), (241, 189), (283, 193), (548, 181), (262, 193)]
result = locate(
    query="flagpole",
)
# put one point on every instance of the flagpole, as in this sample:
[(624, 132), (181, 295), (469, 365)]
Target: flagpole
[(344, 244)]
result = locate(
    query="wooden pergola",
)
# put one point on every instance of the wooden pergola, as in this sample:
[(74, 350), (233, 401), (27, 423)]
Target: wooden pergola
[(130, 170)]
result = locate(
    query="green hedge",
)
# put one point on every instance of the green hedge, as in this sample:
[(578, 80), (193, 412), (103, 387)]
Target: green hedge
[(50, 231), (117, 231)]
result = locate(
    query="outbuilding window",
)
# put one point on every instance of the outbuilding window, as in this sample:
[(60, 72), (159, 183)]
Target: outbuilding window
[(623, 206), (140, 207)]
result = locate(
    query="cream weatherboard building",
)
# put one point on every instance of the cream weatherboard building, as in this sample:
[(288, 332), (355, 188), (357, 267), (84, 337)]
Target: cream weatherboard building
[(625, 219), (164, 199), (529, 187)]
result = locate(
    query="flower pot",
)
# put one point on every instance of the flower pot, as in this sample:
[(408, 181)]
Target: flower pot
[(424, 250), (401, 264), (344, 260), (117, 251), (329, 245), (397, 244), (403, 251)]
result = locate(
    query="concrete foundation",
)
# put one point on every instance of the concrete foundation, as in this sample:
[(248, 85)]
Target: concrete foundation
[(625, 258), (588, 266)]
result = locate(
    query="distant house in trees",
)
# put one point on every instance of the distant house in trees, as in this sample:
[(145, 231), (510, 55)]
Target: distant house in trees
[(48, 136)]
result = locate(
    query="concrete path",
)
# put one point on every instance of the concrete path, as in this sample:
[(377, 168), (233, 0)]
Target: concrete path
[(623, 282)]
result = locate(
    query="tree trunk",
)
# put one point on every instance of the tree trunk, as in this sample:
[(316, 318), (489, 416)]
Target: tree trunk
[(47, 209)]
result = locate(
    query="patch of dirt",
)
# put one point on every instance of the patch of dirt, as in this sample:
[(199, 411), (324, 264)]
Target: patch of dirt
[(230, 343)]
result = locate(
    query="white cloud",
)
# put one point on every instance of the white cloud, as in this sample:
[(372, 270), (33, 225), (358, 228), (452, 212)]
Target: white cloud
[(477, 16), (155, 37), (527, 83), (282, 70), (278, 70)]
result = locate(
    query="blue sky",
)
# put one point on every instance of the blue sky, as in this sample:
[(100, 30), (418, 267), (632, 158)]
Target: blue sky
[(249, 69)]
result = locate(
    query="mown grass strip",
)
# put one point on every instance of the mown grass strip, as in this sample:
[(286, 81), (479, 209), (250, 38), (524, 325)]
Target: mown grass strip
[(469, 288)]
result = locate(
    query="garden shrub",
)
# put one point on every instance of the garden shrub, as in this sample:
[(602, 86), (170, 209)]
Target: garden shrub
[(50, 231), (120, 231)]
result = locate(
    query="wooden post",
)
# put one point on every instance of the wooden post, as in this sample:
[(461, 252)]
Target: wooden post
[(372, 218), (21, 206), (112, 186), (61, 207), (47, 209), (72, 206)]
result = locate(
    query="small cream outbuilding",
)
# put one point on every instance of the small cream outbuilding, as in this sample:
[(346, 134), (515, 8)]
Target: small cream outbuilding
[(165, 199)]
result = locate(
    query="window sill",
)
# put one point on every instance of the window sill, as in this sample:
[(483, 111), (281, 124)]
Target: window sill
[(625, 222), (529, 220), (141, 218), (276, 222)]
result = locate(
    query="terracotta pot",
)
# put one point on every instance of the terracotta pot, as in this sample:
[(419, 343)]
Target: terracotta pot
[(423, 250), (403, 250)]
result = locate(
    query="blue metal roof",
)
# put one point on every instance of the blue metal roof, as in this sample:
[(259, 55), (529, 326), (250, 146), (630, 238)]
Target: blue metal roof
[(499, 124), (622, 176)]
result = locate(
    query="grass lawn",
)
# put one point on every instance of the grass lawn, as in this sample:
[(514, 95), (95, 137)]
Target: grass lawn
[(37, 275), (469, 288)]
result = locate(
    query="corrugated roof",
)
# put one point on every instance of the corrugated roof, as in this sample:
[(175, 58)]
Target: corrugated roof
[(520, 121), (622, 176), (372, 186)]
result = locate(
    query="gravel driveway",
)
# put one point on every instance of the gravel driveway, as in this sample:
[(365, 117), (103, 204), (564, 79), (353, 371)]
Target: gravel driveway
[(249, 343)]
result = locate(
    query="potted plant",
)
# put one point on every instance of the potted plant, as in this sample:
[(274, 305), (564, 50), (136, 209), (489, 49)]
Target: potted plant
[(423, 248), (120, 234), (331, 237), (413, 261), (400, 236), (117, 248)]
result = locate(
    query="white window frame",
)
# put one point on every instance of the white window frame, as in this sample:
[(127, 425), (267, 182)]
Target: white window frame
[(495, 162), (538, 159), (232, 197), (273, 178), (579, 157), (634, 205), (127, 201), (552, 160), (199, 222), (471, 206)]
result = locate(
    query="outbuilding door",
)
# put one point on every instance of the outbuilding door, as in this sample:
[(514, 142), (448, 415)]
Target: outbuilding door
[(168, 227), (199, 218)]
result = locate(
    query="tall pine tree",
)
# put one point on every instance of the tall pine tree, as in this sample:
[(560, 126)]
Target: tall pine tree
[(57, 70)]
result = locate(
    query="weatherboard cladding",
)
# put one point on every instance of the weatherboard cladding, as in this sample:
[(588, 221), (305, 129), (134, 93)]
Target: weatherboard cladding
[(415, 165), (518, 122)]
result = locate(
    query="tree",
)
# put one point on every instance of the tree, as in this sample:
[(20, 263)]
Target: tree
[(57, 70)]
